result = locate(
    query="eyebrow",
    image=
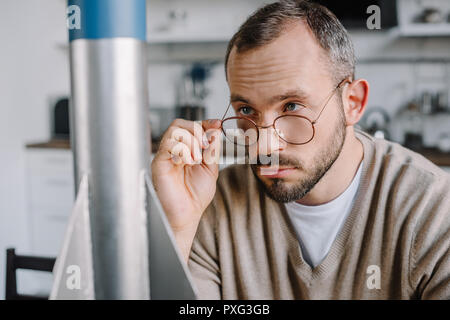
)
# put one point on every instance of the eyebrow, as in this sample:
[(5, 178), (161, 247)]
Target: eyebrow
[(295, 93)]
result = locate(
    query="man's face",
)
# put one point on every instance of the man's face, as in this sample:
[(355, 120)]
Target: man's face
[(277, 79)]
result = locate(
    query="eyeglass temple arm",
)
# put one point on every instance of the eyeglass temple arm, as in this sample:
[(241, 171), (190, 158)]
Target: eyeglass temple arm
[(223, 117), (330, 96)]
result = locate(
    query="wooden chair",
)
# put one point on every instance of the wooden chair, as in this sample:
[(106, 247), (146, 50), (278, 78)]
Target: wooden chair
[(14, 262)]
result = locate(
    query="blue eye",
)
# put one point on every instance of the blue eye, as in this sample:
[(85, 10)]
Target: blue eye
[(291, 106), (246, 111)]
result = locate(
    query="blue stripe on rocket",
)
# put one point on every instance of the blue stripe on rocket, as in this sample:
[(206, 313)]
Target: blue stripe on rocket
[(110, 19)]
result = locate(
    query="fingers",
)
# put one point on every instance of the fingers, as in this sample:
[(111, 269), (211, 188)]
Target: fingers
[(176, 151), (184, 140), (184, 136), (212, 129), (194, 128), (211, 156), (180, 153), (211, 124)]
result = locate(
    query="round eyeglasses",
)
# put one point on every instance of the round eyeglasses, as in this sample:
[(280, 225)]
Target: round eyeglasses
[(293, 129)]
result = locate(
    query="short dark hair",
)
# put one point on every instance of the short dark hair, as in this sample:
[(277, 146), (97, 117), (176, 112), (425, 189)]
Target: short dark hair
[(267, 23)]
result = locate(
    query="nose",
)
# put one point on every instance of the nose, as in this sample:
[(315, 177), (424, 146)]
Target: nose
[(269, 142)]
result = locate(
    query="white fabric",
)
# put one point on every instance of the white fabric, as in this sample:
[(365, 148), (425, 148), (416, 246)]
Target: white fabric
[(317, 226)]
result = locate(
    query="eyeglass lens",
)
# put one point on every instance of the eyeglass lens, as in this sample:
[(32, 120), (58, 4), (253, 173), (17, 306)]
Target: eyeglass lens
[(292, 129)]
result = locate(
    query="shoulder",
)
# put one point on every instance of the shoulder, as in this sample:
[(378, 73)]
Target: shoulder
[(400, 164), (410, 187)]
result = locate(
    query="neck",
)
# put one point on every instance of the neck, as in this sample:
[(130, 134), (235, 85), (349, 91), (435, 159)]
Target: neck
[(340, 175)]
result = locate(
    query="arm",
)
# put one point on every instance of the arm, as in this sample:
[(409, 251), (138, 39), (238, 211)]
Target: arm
[(430, 248), (204, 259)]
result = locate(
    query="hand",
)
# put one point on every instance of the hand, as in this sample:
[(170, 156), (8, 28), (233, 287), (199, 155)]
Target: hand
[(185, 171)]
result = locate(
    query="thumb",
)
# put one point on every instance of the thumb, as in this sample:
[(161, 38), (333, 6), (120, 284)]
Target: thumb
[(211, 156), (211, 124), (211, 127)]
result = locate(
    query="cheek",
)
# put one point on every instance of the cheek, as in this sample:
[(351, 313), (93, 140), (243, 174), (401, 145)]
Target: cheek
[(307, 155), (327, 127), (303, 154)]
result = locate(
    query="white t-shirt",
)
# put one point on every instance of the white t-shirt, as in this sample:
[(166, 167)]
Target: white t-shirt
[(317, 226)]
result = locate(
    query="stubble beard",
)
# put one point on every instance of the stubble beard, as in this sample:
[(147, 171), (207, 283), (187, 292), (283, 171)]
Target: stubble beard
[(279, 190)]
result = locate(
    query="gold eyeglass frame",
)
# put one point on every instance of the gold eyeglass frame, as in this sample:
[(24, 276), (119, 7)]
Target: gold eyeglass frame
[(344, 81)]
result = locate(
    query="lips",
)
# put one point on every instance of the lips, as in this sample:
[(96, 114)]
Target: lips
[(275, 172)]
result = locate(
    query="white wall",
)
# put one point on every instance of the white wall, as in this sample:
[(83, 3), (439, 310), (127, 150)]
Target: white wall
[(32, 71)]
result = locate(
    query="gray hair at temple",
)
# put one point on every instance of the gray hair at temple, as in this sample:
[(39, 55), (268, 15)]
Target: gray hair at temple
[(267, 23)]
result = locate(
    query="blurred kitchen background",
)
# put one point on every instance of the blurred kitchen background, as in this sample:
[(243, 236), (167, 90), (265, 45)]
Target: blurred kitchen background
[(407, 63)]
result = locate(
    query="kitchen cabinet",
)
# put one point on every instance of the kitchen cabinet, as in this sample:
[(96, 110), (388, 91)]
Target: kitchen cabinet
[(183, 31), (410, 14), (181, 21), (50, 195), (50, 198)]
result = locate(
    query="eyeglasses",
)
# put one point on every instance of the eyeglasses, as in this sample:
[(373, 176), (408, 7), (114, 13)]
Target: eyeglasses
[(293, 129)]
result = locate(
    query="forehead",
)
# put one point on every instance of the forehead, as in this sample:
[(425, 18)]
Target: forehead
[(293, 60)]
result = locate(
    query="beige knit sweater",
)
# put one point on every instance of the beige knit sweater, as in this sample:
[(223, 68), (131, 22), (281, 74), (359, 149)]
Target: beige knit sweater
[(393, 245)]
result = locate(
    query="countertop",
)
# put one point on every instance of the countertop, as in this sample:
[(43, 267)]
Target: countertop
[(434, 155), (51, 144)]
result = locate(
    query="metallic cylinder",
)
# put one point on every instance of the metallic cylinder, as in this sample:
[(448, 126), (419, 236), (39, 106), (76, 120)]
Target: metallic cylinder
[(111, 138)]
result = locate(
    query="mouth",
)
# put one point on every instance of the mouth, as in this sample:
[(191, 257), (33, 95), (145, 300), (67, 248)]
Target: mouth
[(276, 172)]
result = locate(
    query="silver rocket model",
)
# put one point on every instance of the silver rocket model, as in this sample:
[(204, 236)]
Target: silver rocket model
[(117, 239)]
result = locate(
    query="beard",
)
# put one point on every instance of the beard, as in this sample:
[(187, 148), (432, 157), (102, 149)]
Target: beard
[(279, 190)]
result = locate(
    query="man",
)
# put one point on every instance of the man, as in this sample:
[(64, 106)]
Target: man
[(342, 216)]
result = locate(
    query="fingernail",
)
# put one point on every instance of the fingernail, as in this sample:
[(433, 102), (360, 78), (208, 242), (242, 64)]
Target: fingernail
[(212, 121), (176, 159)]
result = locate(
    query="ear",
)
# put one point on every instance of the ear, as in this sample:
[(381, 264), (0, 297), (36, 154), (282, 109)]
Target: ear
[(355, 97)]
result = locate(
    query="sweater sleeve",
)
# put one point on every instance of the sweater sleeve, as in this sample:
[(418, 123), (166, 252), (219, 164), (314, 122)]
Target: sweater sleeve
[(203, 259), (430, 255)]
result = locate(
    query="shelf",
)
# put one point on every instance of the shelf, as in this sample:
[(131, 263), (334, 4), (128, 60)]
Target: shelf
[(52, 144), (439, 158), (183, 37), (423, 30), (407, 60), (187, 52)]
